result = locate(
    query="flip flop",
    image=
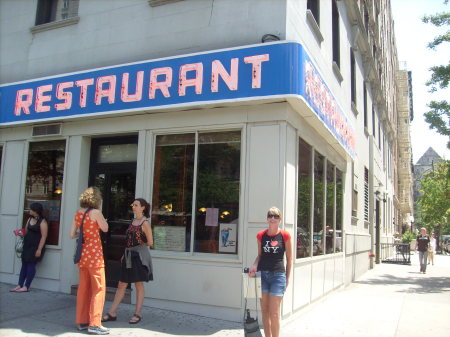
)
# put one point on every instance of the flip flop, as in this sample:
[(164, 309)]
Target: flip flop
[(137, 321), (108, 318), (13, 290)]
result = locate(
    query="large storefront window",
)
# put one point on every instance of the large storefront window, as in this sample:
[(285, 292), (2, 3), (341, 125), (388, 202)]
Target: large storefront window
[(304, 200), (329, 225), (318, 235), (213, 159), (327, 198), (339, 204), (44, 183)]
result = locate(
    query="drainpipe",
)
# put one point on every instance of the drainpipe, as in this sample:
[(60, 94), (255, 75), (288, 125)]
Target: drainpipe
[(371, 202)]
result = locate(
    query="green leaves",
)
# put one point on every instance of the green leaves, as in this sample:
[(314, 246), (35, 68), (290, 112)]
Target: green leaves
[(439, 116), (434, 202)]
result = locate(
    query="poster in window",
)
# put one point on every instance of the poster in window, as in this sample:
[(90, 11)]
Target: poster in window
[(212, 217), (227, 238), (171, 238)]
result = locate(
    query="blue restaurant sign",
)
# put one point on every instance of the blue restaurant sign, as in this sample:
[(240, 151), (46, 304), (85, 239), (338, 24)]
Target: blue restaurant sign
[(249, 73)]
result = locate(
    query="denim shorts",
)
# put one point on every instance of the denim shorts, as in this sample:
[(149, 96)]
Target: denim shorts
[(273, 283)]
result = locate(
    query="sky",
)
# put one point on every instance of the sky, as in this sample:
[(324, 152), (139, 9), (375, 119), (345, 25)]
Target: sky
[(412, 37)]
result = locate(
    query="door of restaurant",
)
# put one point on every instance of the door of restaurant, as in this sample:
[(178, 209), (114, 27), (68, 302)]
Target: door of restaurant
[(113, 171)]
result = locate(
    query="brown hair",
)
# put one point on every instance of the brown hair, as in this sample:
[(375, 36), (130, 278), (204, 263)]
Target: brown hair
[(145, 204), (91, 198)]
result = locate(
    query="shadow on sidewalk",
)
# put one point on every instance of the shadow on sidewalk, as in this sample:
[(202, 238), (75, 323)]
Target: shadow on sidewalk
[(418, 284), (53, 314)]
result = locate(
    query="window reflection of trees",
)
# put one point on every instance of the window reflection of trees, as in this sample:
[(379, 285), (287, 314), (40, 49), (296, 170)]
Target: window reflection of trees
[(304, 201), (44, 182)]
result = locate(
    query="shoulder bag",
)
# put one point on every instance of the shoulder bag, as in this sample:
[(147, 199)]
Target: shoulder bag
[(80, 241)]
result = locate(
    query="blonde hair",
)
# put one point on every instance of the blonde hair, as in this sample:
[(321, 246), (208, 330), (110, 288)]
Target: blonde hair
[(274, 210), (91, 198)]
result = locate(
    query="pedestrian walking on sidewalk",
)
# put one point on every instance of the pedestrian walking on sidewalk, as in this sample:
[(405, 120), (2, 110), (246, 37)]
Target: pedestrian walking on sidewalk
[(422, 244), (36, 230), (92, 284), (136, 263), (432, 249), (273, 244)]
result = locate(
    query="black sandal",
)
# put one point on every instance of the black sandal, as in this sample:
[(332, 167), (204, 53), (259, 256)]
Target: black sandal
[(108, 317), (137, 321)]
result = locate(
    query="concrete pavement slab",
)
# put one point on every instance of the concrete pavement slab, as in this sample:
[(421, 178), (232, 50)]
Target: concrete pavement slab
[(388, 301)]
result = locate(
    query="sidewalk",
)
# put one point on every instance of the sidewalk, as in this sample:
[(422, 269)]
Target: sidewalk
[(388, 301)]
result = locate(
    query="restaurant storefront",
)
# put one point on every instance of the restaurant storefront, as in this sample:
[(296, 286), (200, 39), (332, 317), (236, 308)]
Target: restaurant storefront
[(212, 140)]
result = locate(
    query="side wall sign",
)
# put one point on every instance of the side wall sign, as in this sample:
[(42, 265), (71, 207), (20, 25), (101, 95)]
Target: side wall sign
[(249, 73)]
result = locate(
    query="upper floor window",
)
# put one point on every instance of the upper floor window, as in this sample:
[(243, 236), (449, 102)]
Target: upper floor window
[(335, 28), (314, 7), (353, 76), (365, 105), (55, 10)]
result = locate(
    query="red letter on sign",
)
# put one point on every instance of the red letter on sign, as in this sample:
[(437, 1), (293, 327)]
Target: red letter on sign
[(137, 96), (229, 79), (196, 82), (83, 84), (22, 103), (109, 92), (41, 98), (164, 85), (256, 68), (62, 95)]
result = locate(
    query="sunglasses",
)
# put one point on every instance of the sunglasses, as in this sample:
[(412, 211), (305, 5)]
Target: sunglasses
[(275, 216)]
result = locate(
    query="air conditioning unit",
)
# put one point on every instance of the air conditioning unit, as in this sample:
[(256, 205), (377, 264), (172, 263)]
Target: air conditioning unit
[(47, 130)]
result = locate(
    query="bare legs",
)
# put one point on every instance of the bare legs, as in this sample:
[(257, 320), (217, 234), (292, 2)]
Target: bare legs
[(139, 297), (118, 297), (120, 293), (270, 306)]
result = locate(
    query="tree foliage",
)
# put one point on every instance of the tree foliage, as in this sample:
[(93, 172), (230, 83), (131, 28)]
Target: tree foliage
[(434, 202), (438, 117)]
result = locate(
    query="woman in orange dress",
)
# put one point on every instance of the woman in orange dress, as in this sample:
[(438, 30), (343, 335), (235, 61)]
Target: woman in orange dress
[(92, 285)]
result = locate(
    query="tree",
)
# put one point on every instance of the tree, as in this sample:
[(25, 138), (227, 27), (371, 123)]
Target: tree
[(439, 116), (434, 202)]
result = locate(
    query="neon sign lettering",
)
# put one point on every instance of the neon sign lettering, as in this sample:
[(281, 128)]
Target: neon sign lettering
[(160, 79)]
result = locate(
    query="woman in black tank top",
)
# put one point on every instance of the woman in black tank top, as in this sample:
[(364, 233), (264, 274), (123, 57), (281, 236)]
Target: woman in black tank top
[(273, 245)]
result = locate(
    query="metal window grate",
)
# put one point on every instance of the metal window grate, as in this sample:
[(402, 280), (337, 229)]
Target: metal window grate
[(46, 130)]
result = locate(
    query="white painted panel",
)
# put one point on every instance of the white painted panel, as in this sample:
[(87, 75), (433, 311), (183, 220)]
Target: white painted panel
[(318, 275), (338, 272), (7, 242), (291, 168), (196, 283), (302, 284), (12, 187), (329, 275), (49, 267), (264, 179)]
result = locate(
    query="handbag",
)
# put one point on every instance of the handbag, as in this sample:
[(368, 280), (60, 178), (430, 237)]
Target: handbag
[(19, 246), (251, 325), (80, 241)]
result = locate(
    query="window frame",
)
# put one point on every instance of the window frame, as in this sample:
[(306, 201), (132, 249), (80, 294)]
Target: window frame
[(239, 232), (25, 173), (327, 161)]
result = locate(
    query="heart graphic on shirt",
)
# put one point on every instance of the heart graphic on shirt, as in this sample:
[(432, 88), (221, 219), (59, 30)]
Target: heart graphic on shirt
[(273, 243)]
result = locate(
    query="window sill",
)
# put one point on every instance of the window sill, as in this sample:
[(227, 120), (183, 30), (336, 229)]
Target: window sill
[(54, 25), (314, 26), (337, 72), (355, 109), (155, 3)]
